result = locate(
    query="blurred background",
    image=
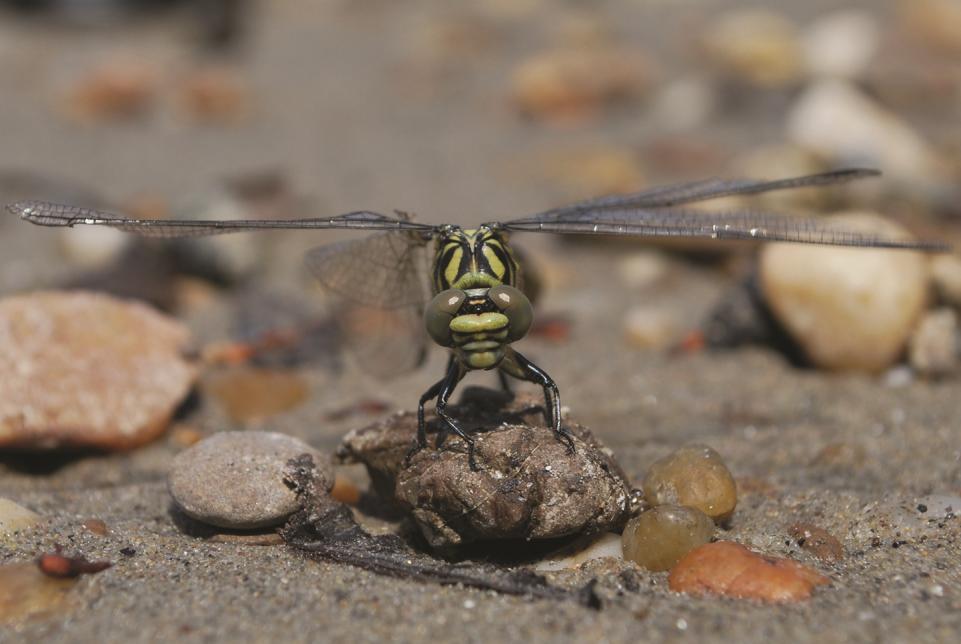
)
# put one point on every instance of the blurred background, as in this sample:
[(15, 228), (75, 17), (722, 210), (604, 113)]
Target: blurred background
[(461, 113)]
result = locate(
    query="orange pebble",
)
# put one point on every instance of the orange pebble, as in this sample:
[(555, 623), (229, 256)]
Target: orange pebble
[(731, 570)]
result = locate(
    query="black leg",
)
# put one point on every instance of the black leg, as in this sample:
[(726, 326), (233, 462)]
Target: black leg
[(505, 384), (454, 376), (421, 441), (527, 370)]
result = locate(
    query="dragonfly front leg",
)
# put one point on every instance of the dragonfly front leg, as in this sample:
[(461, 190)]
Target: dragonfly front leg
[(520, 367), (455, 374)]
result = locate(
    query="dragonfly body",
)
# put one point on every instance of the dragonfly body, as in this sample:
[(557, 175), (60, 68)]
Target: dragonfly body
[(478, 311), (470, 297)]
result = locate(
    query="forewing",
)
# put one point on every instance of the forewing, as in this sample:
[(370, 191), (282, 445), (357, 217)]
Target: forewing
[(45, 213), (379, 289), (656, 213), (737, 224)]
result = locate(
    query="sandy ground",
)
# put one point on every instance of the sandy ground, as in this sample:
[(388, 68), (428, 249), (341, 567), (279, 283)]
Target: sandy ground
[(391, 124)]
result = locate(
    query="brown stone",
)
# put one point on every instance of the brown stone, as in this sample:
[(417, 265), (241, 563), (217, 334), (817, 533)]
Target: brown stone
[(729, 569), (86, 369)]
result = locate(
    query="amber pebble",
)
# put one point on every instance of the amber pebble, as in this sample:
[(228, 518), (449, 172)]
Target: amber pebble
[(817, 541), (250, 394), (658, 538), (345, 490), (693, 476), (97, 527), (729, 569)]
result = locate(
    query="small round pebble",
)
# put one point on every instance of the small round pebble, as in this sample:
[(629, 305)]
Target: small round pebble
[(658, 538), (849, 309), (236, 479), (693, 476)]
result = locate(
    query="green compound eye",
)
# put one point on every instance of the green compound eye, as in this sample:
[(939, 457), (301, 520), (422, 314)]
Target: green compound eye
[(439, 313), (516, 307)]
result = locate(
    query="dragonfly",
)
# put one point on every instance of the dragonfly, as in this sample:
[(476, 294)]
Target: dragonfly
[(465, 286)]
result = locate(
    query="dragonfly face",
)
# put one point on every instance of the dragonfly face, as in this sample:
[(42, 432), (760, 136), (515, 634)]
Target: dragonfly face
[(477, 310)]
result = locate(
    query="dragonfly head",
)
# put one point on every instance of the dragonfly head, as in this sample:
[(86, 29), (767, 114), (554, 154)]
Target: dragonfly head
[(473, 258)]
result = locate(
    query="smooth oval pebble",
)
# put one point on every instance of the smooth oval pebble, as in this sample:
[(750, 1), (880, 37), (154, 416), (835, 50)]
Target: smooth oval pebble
[(236, 479), (729, 569), (848, 308), (694, 476), (87, 369), (659, 538)]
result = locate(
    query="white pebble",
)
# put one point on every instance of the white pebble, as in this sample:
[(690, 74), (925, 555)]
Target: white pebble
[(841, 44), (835, 120), (848, 308)]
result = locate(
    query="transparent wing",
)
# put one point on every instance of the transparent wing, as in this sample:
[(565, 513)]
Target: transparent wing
[(45, 213), (654, 213), (379, 287), (685, 193)]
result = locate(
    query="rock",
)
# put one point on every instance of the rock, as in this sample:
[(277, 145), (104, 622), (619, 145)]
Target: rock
[(642, 269), (817, 541), (756, 46), (236, 479), (683, 105), (345, 491), (527, 486), (588, 171), (119, 89), (933, 347), (841, 44), (659, 538), (15, 517), (574, 83), (93, 247), (783, 160), (693, 476), (26, 593), (56, 390), (939, 506), (731, 570), (250, 394), (847, 308), (607, 545), (839, 123), (215, 95), (97, 527), (936, 23), (647, 327), (946, 275)]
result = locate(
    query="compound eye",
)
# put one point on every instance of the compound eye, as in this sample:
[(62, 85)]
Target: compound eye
[(516, 307), (439, 313)]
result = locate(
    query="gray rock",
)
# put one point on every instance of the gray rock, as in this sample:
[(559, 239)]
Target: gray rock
[(527, 485), (236, 479)]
